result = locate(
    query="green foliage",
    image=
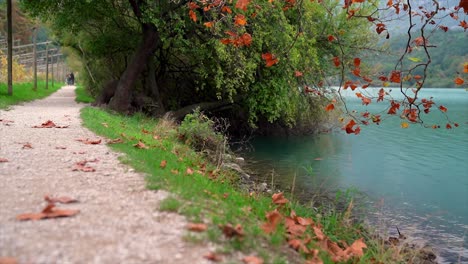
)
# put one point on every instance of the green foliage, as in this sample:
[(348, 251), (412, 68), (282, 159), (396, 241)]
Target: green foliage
[(82, 95), (23, 92), (197, 130)]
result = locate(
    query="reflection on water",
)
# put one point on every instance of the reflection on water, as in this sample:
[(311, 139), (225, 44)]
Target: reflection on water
[(421, 174)]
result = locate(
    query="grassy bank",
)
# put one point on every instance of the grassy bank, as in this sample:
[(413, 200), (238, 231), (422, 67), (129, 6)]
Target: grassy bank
[(277, 230), (82, 95), (23, 92)]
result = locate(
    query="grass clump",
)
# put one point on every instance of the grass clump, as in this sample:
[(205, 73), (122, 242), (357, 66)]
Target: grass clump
[(83, 95), (206, 194), (23, 92)]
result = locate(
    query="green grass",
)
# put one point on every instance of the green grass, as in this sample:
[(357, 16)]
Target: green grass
[(214, 200), (23, 92), (83, 96)]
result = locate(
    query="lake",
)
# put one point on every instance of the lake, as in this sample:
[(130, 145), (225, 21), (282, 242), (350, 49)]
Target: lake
[(414, 178)]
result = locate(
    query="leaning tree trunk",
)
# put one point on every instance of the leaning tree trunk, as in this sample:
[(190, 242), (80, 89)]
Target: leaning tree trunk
[(122, 97)]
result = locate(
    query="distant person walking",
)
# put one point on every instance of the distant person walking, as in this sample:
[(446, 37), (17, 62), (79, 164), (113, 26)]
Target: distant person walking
[(71, 79)]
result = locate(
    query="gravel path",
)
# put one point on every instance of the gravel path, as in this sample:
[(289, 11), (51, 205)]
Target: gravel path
[(118, 220)]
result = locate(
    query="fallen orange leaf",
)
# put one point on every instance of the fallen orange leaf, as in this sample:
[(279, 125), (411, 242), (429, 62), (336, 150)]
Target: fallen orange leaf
[(8, 260), (62, 199), (27, 146), (175, 172), (278, 198), (60, 147), (213, 257), (115, 141), (140, 145), (459, 81), (189, 171), (3, 160), (163, 164), (252, 260), (89, 141), (355, 249), (48, 212), (230, 231), (200, 227), (273, 219)]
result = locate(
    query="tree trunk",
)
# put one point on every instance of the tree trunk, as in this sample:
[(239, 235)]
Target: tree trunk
[(154, 87), (122, 98)]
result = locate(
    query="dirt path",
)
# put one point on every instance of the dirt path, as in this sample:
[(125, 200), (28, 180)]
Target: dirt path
[(118, 220)]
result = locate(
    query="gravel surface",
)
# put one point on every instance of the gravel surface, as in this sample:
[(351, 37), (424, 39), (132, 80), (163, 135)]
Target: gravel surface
[(118, 220)]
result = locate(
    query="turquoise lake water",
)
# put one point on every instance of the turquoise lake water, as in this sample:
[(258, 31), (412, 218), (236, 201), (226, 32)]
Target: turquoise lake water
[(415, 178)]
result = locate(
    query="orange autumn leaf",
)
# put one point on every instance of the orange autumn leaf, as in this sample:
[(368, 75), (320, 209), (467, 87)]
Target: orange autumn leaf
[(273, 219), (47, 124), (115, 141), (240, 20), (246, 39), (197, 227), (336, 61), (208, 24), (448, 126), (404, 125), (270, 59), (465, 68), (318, 233), (193, 5), (144, 131), (252, 260), (163, 164), (90, 141), (395, 77), (349, 127), (140, 145), (305, 221), (331, 38), (226, 9), (242, 4), (61, 199), (458, 81), (278, 198), (48, 212), (213, 257), (356, 249), (357, 62), (381, 95), (8, 260), (366, 100), (229, 231), (3, 160), (357, 72), (298, 74), (189, 171), (443, 108), (192, 15), (329, 107)]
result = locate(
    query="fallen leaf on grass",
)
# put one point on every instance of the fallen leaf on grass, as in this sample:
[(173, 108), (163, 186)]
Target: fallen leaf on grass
[(189, 171), (278, 198), (3, 160), (156, 137), (140, 145), (163, 164), (144, 131), (273, 219), (175, 172), (200, 227), (252, 260), (105, 125), (230, 231), (89, 141), (356, 248), (8, 260), (61, 199), (115, 141), (48, 212), (213, 257)]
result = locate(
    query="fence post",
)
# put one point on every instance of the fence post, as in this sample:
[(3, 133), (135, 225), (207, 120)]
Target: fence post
[(10, 48), (47, 67), (34, 58)]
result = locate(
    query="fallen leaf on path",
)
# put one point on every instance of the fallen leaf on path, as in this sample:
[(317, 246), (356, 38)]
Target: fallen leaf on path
[(61, 199), (90, 141), (49, 124), (200, 227), (60, 147), (3, 160), (115, 141), (252, 260), (8, 260), (163, 164), (140, 145), (81, 166), (48, 212), (27, 146), (213, 257), (230, 231), (79, 152)]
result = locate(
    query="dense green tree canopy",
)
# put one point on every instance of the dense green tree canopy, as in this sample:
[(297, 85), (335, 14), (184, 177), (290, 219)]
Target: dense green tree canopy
[(255, 61)]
